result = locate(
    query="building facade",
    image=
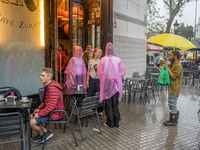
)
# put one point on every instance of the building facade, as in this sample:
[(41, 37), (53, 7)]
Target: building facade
[(197, 32), (129, 33), (31, 30)]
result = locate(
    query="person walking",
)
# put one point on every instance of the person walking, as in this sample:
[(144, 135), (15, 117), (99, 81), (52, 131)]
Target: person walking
[(110, 71), (176, 78)]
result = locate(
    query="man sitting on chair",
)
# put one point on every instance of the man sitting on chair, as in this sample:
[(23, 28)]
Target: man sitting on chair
[(52, 100)]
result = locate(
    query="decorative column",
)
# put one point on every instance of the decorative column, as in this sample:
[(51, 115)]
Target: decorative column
[(106, 23), (47, 52)]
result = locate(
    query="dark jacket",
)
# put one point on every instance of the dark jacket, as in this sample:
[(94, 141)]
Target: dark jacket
[(16, 93), (53, 101)]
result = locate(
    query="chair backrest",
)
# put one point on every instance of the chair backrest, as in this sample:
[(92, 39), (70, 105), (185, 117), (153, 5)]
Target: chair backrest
[(145, 85), (88, 104), (136, 75), (40, 92), (3, 90), (71, 105), (186, 73), (11, 124)]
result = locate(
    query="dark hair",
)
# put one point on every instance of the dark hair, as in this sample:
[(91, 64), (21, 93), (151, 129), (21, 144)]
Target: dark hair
[(61, 46), (176, 53)]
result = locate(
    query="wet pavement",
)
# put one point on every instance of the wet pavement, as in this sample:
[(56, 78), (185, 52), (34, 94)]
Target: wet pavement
[(141, 127)]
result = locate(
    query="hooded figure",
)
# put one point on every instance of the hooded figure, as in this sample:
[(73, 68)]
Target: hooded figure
[(110, 71), (76, 70)]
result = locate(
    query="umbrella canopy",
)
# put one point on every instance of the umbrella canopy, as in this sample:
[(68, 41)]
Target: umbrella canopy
[(167, 40), (154, 47)]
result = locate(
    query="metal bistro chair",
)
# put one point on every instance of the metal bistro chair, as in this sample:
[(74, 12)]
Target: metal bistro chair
[(136, 75), (3, 90), (142, 88), (71, 106), (11, 125), (40, 92), (186, 77), (88, 107)]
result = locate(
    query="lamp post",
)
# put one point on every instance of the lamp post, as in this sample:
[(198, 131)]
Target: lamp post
[(176, 27), (195, 20)]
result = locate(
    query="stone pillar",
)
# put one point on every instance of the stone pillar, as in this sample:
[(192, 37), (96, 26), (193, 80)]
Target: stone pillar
[(106, 23), (47, 52)]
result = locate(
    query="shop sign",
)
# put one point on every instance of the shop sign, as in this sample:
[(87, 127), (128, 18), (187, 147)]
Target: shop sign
[(30, 5)]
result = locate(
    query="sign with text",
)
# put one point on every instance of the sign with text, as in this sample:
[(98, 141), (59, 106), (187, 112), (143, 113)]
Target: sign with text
[(21, 52)]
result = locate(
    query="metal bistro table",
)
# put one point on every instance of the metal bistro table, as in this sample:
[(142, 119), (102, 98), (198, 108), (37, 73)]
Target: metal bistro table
[(73, 92), (155, 75), (27, 106)]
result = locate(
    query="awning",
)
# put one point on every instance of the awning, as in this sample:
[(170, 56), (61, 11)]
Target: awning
[(154, 47)]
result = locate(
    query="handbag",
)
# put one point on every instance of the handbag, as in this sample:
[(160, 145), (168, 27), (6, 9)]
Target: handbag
[(164, 77)]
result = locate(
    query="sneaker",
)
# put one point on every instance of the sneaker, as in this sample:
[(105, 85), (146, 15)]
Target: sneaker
[(106, 124), (48, 135), (100, 113), (37, 138)]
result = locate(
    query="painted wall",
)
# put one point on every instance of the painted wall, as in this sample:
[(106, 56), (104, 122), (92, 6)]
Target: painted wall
[(21, 50), (129, 33)]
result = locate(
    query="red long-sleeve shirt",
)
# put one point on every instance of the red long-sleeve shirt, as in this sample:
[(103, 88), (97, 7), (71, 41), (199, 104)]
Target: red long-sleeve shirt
[(63, 61)]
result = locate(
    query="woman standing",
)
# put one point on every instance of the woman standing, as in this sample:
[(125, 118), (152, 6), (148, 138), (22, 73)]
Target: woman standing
[(92, 78), (76, 70)]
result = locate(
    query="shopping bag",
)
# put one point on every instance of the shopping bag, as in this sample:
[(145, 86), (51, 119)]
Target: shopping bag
[(164, 77)]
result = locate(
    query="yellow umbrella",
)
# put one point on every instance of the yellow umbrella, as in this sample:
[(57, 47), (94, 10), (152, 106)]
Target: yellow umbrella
[(171, 40)]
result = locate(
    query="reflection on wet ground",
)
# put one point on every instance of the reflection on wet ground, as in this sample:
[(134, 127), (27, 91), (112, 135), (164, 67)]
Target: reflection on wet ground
[(141, 127)]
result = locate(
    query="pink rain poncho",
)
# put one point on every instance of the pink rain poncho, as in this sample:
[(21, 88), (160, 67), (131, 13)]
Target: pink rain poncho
[(77, 69), (110, 71)]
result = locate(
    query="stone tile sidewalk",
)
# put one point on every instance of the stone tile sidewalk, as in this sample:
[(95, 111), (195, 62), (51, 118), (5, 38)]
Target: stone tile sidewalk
[(141, 127)]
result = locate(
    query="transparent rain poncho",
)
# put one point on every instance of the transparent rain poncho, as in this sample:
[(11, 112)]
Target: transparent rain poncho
[(110, 71), (77, 69)]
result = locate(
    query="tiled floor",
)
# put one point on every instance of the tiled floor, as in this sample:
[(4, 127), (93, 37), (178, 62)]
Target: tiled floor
[(141, 127)]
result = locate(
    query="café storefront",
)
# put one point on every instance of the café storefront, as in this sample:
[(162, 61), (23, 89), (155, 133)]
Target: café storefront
[(31, 29)]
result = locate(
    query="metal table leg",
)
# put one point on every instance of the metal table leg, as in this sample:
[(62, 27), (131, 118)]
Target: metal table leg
[(29, 128)]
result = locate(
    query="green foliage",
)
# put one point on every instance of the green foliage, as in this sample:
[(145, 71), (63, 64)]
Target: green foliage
[(155, 22), (174, 7), (186, 32)]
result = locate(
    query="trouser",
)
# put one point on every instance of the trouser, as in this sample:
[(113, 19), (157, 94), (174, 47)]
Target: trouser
[(173, 103), (94, 88), (62, 75), (112, 110)]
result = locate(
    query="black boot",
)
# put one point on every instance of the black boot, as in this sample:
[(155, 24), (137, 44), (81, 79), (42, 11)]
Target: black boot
[(173, 120)]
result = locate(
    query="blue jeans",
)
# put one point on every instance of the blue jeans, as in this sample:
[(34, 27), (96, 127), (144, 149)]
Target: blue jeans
[(173, 103)]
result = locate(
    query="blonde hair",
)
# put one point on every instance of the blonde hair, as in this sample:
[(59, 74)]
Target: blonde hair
[(95, 51)]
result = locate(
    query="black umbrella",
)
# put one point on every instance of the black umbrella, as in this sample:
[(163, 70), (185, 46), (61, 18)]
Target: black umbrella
[(197, 44)]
